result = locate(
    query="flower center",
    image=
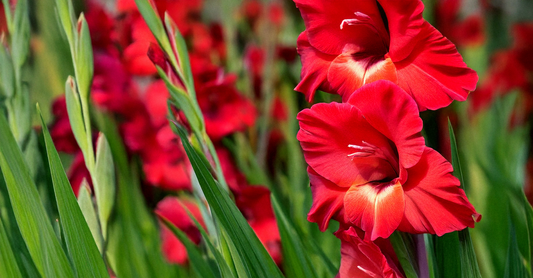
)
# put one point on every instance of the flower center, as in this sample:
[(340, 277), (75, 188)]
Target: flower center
[(366, 150), (367, 21), (360, 18)]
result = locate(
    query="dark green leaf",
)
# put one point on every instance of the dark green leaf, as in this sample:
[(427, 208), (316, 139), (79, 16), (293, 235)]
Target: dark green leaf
[(8, 263), (198, 263), (295, 258), (454, 252), (78, 238), (221, 263), (404, 247), (255, 259), (514, 265)]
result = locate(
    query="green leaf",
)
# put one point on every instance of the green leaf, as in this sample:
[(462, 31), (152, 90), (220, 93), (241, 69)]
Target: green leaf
[(28, 209), (447, 255), (104, 182), (87, 208), (404, 247), (184, 102), (66, 14), (255, 259), (75, 114), (514, 266), (178, 43), (134, 247), (454, 252), (78, 238), (8, 263), (20, 40), (295, 258), (153, 21), (222, 265), (7, 78), (84, 58), (198, 263)]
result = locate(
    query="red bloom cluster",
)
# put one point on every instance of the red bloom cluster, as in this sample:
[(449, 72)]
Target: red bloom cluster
[(368, 164), (510, 69), (125, 84)]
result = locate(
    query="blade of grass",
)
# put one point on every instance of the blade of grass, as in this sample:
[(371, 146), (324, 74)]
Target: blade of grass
[(8, 263), (197, 262), (404, 249), (469, 265), (295, 258), (28, 209), (255, 258), (79, 241), (221, 263)]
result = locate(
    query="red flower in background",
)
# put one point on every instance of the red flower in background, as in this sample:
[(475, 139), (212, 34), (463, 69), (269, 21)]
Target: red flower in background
[(469, 30), (362, 259), (172, 209), (347, 44), (60, 130), (224, 108), (369, 167), (254, 203), (77, 172)]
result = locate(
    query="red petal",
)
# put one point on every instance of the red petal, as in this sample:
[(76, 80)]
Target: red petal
[(323, 20), (405, 20), (327, 130), (328, 200), (434, 73), (315, 66), (348, 72), (361, 258), (376, 208), (394, 114), (434, 203)]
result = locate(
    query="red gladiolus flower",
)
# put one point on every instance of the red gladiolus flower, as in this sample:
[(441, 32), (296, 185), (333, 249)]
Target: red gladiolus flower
[(225, 110), (60, 130), (347, 44), (369, 167), (362, 258)]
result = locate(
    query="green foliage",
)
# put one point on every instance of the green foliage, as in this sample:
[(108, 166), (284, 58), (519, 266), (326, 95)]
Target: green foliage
[(8, 263), (87, 208), (78, 239), (199, 265), (404, 247), (296, 259), (29, 212), (454, 252), (104, 182), (495, 155), (256, 262)]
